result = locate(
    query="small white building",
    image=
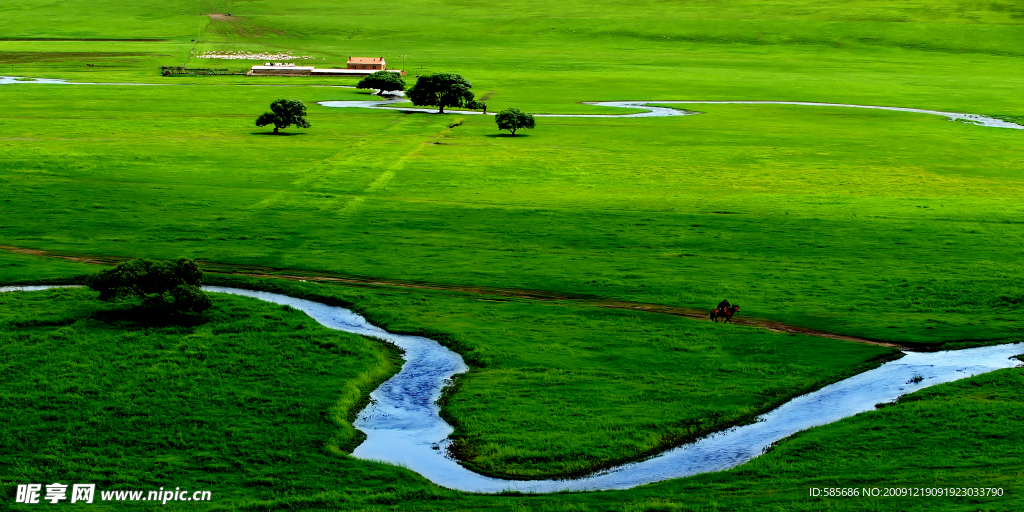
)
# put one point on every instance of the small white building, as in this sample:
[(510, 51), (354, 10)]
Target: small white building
[(374, 63)]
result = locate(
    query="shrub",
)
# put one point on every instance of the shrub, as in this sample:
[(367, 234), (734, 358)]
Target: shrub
[(164, 287)]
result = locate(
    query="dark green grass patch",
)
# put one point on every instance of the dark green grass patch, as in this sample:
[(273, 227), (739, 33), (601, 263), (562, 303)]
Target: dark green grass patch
[(22, 269), (254, 396), (197, 410), (558, 389), (29, 57), (249, 405), (1016, 119)]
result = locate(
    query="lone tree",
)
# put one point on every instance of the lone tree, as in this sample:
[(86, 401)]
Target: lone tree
[(512, 119), (382, 81), (441, 90), (164, 287), (283, 114)]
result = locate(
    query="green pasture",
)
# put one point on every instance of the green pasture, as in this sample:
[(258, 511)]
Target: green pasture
[(889, 225), (558, 389), (617, 385), (254, 403), (893, 226)]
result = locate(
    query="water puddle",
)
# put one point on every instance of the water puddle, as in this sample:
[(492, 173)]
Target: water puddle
[(654, 111), (403, 427)]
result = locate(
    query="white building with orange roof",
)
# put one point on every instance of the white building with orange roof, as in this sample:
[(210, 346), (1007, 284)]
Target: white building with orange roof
[(375, 63)]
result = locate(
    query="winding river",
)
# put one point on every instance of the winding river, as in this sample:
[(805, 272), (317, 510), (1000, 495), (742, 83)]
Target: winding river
[(647, 106), (650, 110), (403, 427)]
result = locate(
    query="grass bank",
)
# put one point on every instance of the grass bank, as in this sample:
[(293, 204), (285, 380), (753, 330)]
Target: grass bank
[(252, 404), (251, 396), (558, 389)]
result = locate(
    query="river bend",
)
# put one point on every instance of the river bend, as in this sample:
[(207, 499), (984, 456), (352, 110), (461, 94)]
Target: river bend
[(403, 427)]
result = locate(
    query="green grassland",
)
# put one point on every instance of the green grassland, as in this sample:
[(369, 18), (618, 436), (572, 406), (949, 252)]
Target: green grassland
[(93, 394), (22, 269), (253, 403), (894, 226), (558, 389), (562, 389), (882, 224)]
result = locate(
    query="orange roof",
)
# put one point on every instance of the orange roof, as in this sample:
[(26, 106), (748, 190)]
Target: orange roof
[(365, 60)]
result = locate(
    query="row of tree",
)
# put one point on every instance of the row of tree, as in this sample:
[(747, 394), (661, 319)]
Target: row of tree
[(441, 90), (445, 90)]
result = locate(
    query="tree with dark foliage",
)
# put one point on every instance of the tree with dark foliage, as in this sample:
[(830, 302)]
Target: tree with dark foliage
[(284, 113), (512, 119), (441, 90), (164, 287), (382, 81)]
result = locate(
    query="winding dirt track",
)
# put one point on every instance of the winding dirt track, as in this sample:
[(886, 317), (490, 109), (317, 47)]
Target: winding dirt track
[(511, 293)]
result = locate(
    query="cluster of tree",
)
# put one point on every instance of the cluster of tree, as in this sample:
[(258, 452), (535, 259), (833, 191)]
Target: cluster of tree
[(164, 287), (284, 113), (383, 81), (442, 90), (445, 90)]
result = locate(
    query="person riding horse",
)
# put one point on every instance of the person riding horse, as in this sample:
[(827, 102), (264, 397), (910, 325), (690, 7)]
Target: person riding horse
[(724, 311)]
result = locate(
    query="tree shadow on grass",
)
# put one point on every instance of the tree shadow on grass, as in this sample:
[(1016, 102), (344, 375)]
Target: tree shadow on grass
[(509, 135), (128, 316), (281, 134)]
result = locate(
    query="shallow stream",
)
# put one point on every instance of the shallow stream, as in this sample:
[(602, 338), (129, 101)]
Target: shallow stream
[(655, 111), (403, 427), (649, 110)]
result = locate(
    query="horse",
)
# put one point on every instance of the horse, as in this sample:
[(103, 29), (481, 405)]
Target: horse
[(724, 313)]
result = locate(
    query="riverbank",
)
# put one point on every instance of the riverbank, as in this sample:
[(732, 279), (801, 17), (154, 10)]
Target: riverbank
[(785, 465)]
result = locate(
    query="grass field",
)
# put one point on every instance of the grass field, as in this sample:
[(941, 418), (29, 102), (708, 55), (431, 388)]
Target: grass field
[(882, 224), (892, 226), (562, 389), (253, 404)]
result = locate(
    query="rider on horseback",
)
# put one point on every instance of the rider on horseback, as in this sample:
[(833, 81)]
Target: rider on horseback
[(724, 311)]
